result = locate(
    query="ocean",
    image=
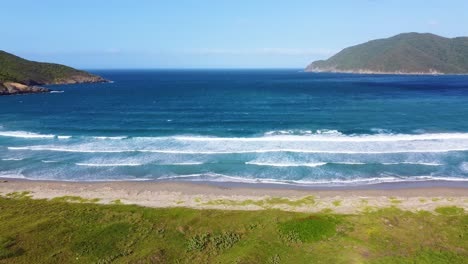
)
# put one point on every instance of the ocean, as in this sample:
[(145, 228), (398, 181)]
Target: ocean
[(268, 126)]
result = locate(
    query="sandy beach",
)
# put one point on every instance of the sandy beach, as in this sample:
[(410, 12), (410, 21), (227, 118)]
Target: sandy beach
[(248, 197)]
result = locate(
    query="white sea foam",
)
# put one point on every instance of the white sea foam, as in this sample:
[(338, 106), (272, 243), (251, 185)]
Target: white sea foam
[(13, 176), (12, 159), (184, 163), (30, 135), (116, 137), (56, 91), (332, 137), (274, 136), (300, 132), (49, 161), (315, 144), (87, 179), (109, 164), (133, 164), (349, 163), (355, 181), (317, 164), (23, 134), (464, 166), (94, 150), (202, 176), (414, 163)]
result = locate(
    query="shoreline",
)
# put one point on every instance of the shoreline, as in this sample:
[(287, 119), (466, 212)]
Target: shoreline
[(203, 195)]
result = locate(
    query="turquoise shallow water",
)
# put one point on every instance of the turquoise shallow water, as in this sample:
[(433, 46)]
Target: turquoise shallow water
[(281, 126)]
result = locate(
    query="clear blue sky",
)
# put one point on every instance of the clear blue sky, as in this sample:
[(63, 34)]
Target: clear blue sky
[(212, 34)]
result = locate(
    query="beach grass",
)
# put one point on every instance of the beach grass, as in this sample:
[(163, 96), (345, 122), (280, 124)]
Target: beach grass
[(266, 203), (80, 231)]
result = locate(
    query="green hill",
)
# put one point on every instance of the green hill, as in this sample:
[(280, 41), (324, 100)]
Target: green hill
[(18, 75), (408, 53)]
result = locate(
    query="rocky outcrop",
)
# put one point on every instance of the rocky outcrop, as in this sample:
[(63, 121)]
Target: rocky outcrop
[(11, 88), (20, 76)]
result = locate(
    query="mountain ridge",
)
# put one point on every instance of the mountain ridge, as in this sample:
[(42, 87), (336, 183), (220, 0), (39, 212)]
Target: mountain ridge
[(406, 53)]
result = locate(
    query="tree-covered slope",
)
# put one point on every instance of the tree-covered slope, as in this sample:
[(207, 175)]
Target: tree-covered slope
[(403, 53), (17, 75)]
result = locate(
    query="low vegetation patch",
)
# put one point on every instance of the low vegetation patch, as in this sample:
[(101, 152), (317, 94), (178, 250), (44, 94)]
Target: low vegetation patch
[(266, 203), (7, 248), (450, 210), (77, 199), (45, 231), (394, 201), (217, 242), (313, 228), (336, 203), (19, 195), (118, 201)]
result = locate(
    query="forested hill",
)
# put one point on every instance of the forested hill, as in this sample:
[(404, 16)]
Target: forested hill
[(408, 53), (18, 75)]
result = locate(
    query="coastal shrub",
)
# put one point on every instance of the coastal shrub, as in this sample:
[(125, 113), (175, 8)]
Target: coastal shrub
[(225, 240), (313, 228), (198, 242), (276, 259), (218, 242)]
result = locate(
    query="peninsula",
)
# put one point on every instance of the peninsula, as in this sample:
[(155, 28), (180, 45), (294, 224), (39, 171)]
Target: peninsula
[(407, 53), (20, 76)]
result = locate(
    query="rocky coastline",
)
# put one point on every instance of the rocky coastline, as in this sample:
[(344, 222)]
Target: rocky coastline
[(311, 68)]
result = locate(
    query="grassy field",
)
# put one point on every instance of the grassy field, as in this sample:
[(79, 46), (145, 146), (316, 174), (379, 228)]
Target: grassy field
[(74, 230)]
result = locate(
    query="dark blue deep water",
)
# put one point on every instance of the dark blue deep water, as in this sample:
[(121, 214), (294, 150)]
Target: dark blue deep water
[(240, 125)]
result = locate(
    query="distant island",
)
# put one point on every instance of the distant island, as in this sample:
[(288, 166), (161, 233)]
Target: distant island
[(407, 53), (20, 76)]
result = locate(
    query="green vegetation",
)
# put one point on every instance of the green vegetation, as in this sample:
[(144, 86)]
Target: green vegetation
[(336, 203), (394, 201), (78, 199), (19, 195), (55, 231), (18, 70), (6, 251), (266, 203), (450, 210), (313, 228), (118, 201), (215, 242), (404, 53)]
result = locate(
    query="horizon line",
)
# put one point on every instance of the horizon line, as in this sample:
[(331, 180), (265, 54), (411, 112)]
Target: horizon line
[(203, 68)]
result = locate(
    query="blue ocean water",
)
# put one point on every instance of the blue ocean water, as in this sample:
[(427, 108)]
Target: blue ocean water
[(283, 126)]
